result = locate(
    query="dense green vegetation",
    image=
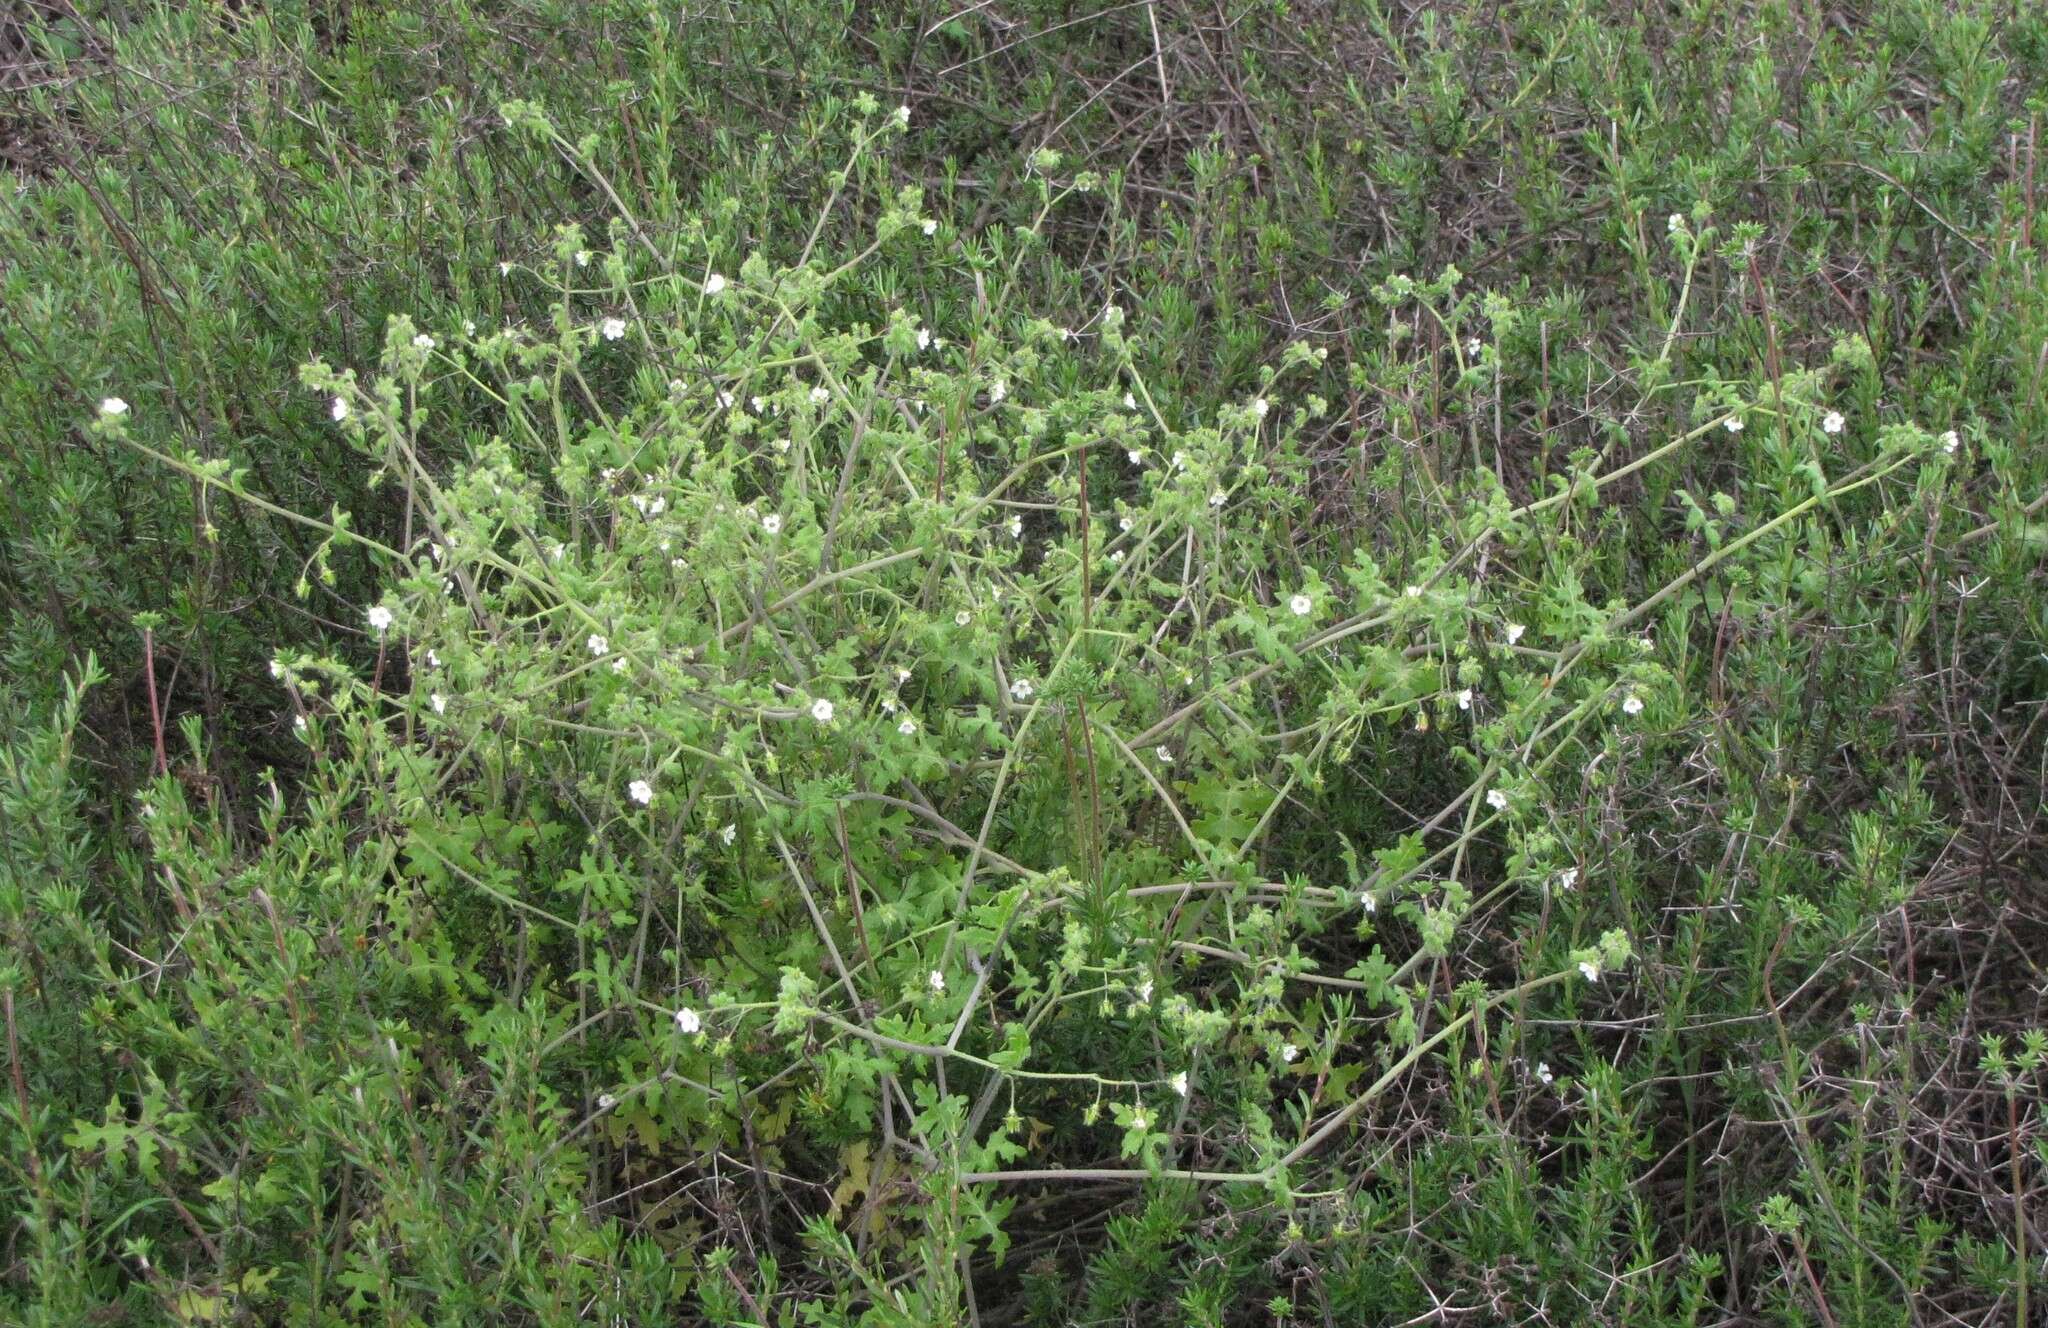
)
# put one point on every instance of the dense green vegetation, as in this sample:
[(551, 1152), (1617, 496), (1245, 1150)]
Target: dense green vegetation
[(1023, 664)]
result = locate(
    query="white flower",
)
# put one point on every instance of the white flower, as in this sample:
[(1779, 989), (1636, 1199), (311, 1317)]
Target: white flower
[(113, 406), (1218, 498), (1176, 461), (1472, 347), (902, 675), (605, 1102), (423, 342), (714, 284), (937, 980), (1568, 878), (1139, 1120), (612, 328), (1067, 334), (1300, 605), (1016, 527), (439, 702), (277, 668), (380, 619), (598, 645), (620, 664), (1632, 704), (1950, 442), (998, 391), (1117, 557), (1260, 407), (759, 406), (903, 116), (641, 791), (299, 725), (338, 409), (924, 338), (962, 618), (822, 710), (1465, 699), (582, 258), (819, 396), (782, 444), (1733, 424), (931, 226), (1137, 457), (1590, 970), (1371, 902), (1180, 1083), (1515, 631), (1021, 689), (907, 727), (1145, 992), (1130, 401), (1290, 1053), (1676, 223), (469, 327), (725, 400), (728, 833), (504, 269), (772, 523), (1543, 1067), (688, 1021), (1165, 756), (1831, 422), (1497, 800), (1413, 592)]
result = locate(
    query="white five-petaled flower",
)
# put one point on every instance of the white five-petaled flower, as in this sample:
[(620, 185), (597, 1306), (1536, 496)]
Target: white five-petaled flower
[(820, 395), (380, 619), (1016, 527), (1218, 498), (688, 1021), (337, 410), (1515, 631), (1733, 424), (1465, 699), (582, 258), (998, 391), (423, 342), (1632, 704), (1568, 878), (1137, 457), (620, 664), (1021, 689), (924, 338), (1130, 401), (1473, 347), (1177, 460), (1543, 1067), (822, 710), (1950, 442), (728, 833), (1497, 800), (714, 284), (1117, 557), (113, 406), (605, 1102), (439, 702), (907, 727), (1676, 223), (1180, 1083), (1589, 970), (1123, 523), (931, 226), (962, 618), (598, 645), (612, 328), (772, 523), (1260, 407), (277, 668), (1165, 756), (903, 116), (1290, 1053), (1371, 902), (937, 980), (1831, 422), (1413, 592), (504, 269), (642, 792), (1300, 605), (299, 724)]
